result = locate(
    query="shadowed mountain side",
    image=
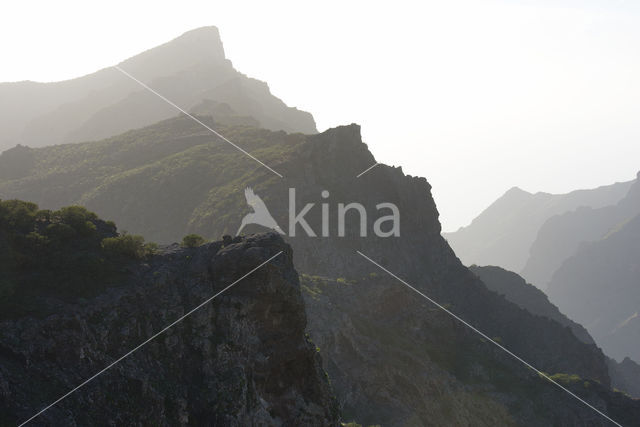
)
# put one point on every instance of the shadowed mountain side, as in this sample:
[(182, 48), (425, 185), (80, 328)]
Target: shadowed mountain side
[(625, 376), (598, 287), (172, 179), (397, 360), (243, 359), (527, 296), (504, 232), (186, 70)]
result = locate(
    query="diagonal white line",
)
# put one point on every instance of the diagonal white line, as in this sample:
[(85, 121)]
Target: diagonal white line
[(145, 342), (488, 339), (193, 118), (367, 170)]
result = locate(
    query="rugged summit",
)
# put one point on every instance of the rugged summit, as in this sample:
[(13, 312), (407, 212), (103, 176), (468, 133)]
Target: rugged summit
[(188, 70), (242, 359), (377, 338)]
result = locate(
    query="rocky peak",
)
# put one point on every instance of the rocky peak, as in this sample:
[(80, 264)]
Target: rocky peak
[(242, 359), (200, 46)]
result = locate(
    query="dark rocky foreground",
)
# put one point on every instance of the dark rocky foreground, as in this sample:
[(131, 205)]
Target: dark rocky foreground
[(243, 359)]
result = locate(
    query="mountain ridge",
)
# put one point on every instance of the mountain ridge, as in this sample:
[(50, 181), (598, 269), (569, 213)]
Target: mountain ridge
[(106, 103), (172, 179), (505, 231)]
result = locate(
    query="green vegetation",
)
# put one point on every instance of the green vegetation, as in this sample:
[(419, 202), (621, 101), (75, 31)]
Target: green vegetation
[(193, 241), (139, 169), (352, 424), (68, 252), (566, 378), (128, 246)]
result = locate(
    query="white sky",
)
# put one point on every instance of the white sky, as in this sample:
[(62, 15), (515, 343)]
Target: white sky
[(477, 96)]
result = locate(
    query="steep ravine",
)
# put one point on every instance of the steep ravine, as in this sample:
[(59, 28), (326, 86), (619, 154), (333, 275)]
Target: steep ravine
[(243, 359)]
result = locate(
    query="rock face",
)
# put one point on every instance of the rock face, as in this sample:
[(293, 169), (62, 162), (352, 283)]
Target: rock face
[(242, 359), (395, 359), (187, 70)]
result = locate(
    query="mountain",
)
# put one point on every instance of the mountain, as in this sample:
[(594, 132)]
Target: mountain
[(393, 358), (625, 376), (527, 296), (560, 237), (243, 359), (504, 232), (598, 287), (189, 70)]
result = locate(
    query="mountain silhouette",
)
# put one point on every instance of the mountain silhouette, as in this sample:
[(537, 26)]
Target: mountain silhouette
[(172, 179), (504, 232), (188, 70), (561, 236), (598, 287), (392, 358)]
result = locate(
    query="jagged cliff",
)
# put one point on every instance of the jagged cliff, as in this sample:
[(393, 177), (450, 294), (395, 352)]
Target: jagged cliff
[(395, 360), (241, 360)]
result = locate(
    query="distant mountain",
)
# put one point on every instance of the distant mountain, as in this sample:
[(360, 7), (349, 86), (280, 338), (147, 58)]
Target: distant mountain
[(560, 236), (188, 70), (393, 358), (599, 286), (527, 296), (503, 233)]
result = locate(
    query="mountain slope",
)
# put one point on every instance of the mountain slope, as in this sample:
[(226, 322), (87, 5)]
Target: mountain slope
[(598, 287), (188, 70), (241, 360), (527, 296), (560, 237), (171, 179), (504, 232), (625, 376)]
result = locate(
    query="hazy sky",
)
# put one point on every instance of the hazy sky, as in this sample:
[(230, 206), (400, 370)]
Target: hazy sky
[(477, 96)]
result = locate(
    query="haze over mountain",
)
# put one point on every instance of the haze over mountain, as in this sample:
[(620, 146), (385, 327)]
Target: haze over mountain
[(188, 70), (392, 358), (503, 233), (586, 258), (599, 287), (377, 339), (560, 237)]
